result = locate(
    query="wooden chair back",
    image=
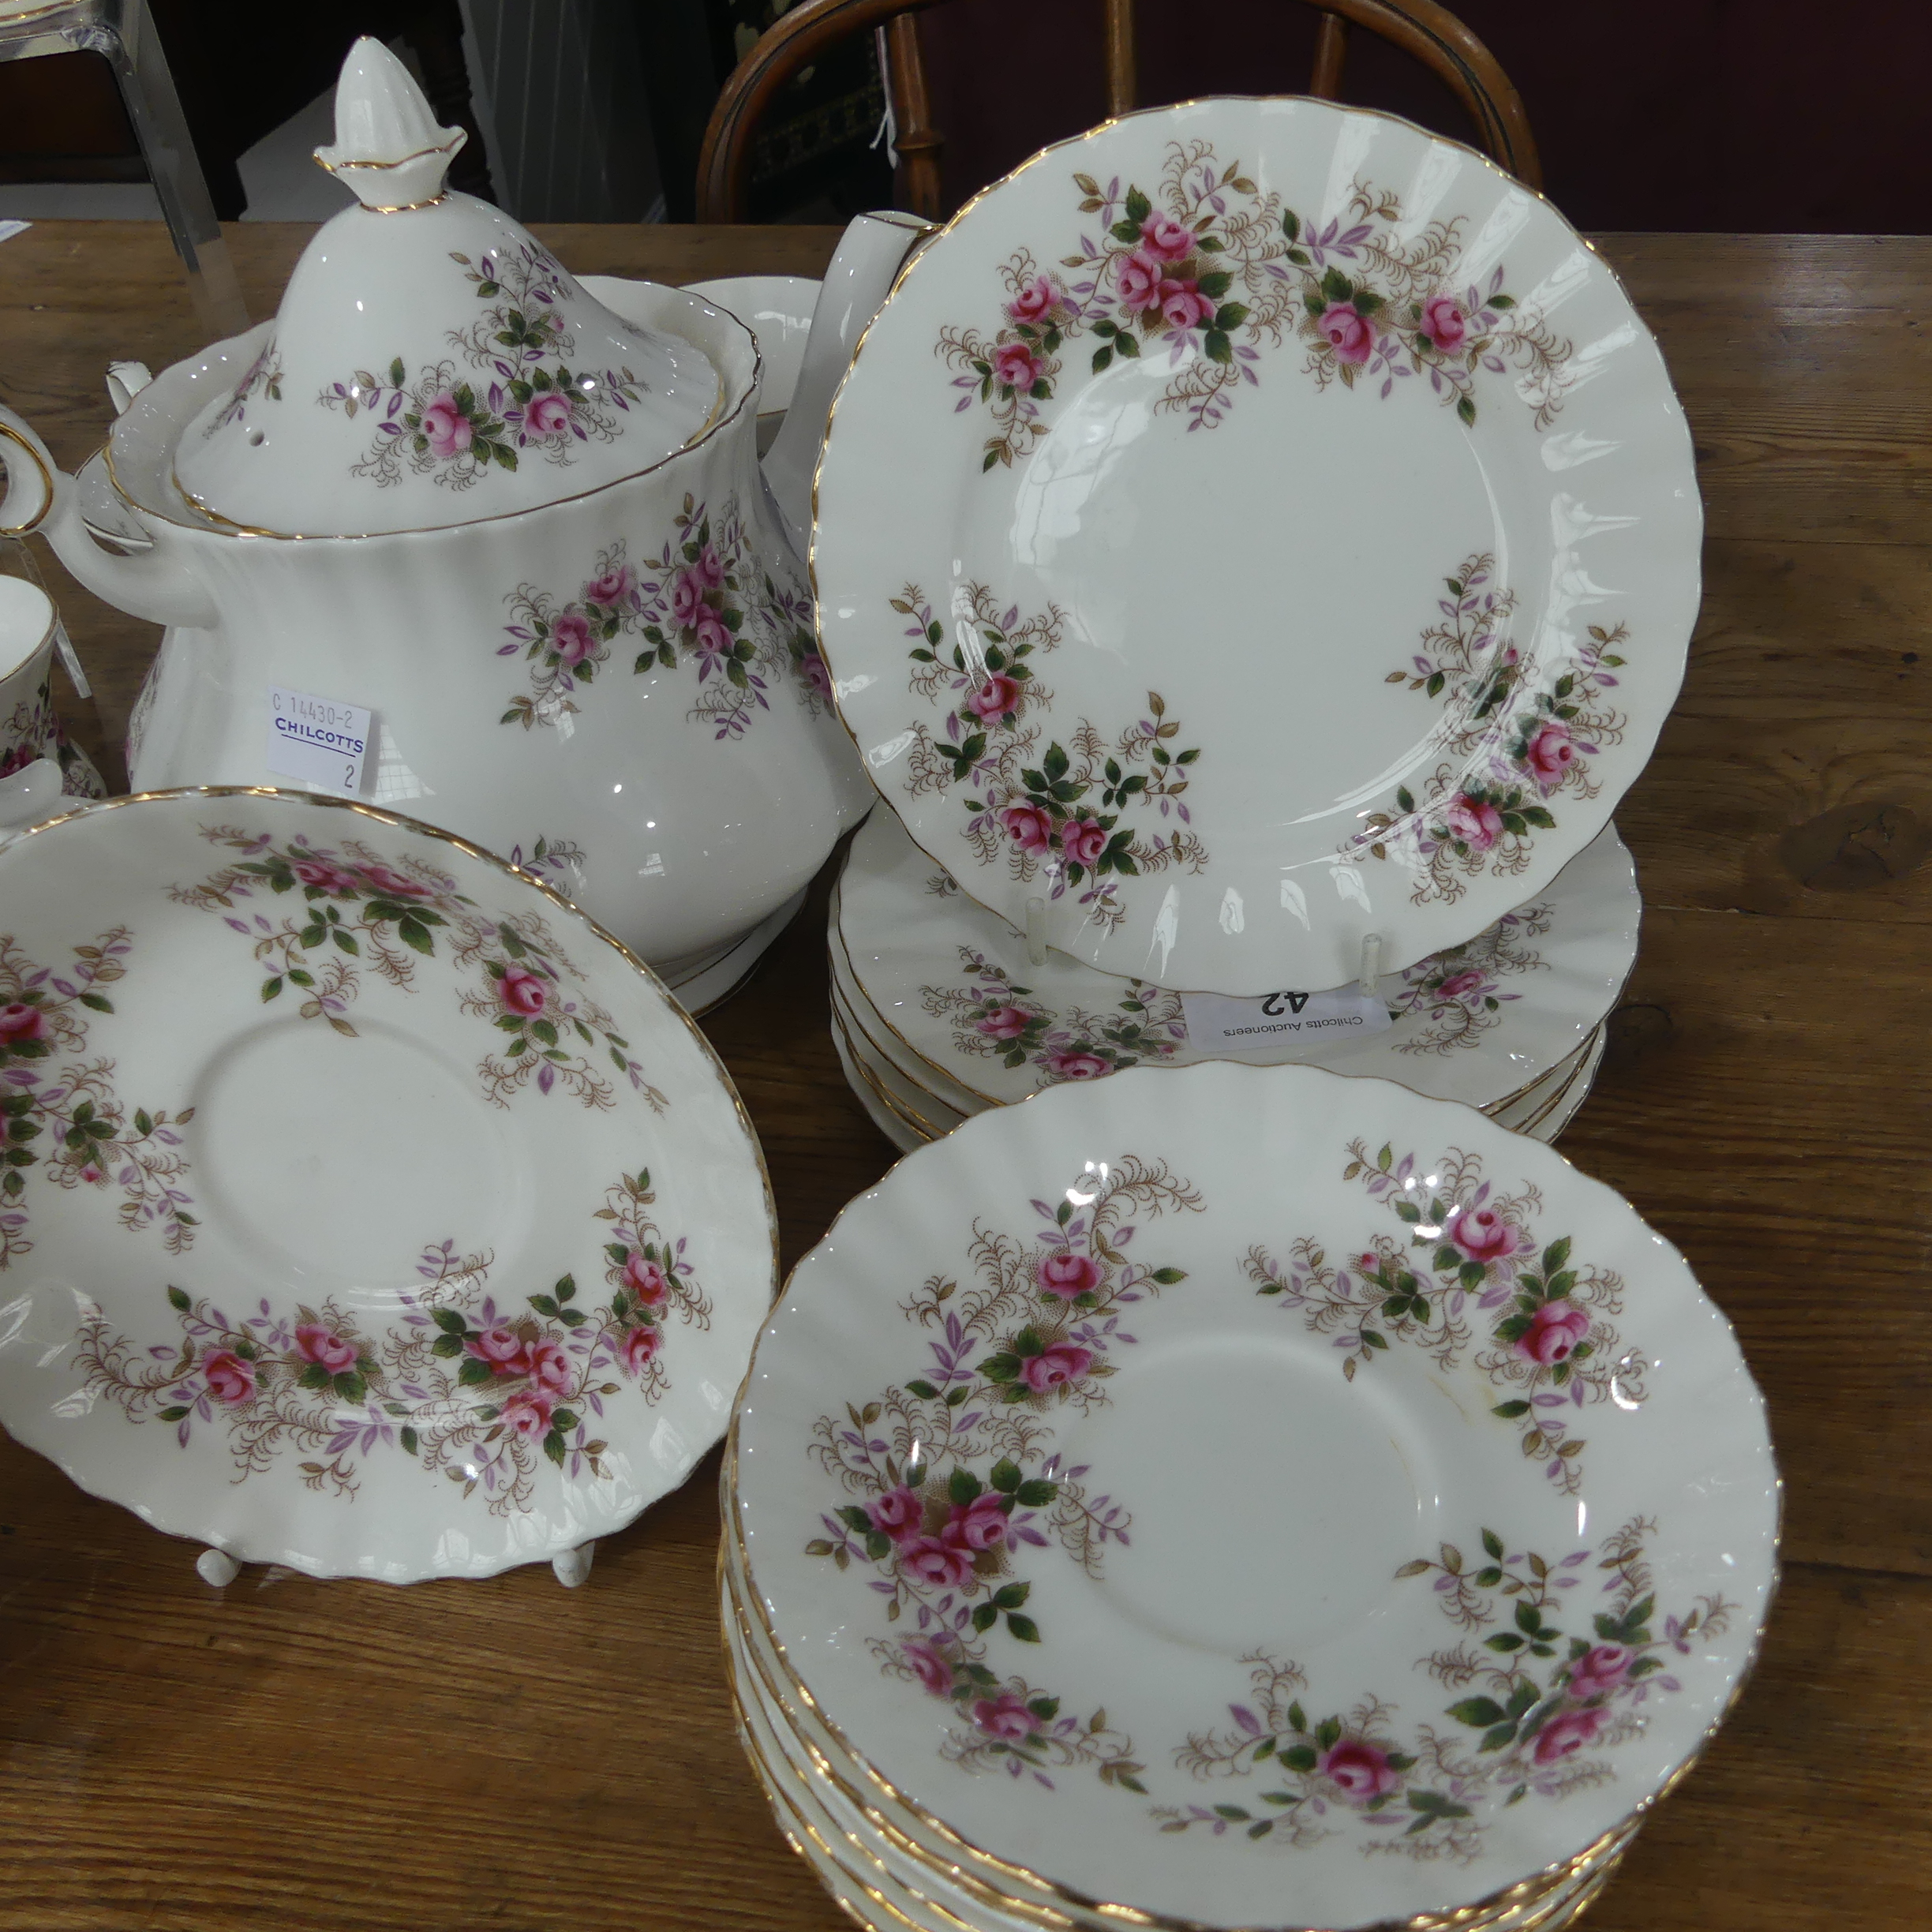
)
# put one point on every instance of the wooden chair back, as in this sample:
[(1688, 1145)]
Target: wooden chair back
[(1421, 28)]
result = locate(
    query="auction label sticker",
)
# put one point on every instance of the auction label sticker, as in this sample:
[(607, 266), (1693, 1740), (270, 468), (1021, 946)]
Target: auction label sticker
[(1218, 1023), (317, 740)]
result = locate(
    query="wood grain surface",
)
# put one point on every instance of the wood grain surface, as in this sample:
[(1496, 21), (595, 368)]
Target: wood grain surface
[(339, 1757)]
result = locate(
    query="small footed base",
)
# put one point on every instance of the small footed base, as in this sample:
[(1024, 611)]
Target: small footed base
[(218, 1569), (573, 1566)]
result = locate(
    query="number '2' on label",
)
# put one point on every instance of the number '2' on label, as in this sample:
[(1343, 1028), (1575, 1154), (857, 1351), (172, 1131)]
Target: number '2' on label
[(322, 743)]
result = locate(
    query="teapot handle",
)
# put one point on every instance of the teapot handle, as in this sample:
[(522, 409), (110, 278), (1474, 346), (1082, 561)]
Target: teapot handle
[(40, 496), (870, 256)]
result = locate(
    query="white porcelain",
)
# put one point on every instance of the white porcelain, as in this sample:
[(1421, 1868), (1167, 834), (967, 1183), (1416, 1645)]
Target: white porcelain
[(31, 731), (1477, 1023), (851, 1841), (1161, 639), (628, 678), (432, 362), (861, 273), (1294, 1494), (694, 806), (777, 309), (371, 1212)]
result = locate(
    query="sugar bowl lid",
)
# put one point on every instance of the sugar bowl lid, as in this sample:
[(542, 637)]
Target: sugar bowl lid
[(433, 362)]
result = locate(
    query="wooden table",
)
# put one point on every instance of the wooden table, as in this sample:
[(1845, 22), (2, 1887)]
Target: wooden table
[(346, 1756)]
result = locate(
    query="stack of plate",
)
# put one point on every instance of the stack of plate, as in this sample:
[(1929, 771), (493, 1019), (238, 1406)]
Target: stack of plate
[(1236, 1496), (1296, 569), (938, 1013)]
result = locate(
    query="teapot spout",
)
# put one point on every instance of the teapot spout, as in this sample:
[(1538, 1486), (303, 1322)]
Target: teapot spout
[(870, 256)]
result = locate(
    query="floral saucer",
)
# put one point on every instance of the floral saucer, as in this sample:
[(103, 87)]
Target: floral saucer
[(365, 1208), (1253, 1496), (1477, 1023), (857, 1841), (1304, 544)]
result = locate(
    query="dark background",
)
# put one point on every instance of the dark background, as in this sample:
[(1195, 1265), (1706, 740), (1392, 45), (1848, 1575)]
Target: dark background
[(1778, 115)]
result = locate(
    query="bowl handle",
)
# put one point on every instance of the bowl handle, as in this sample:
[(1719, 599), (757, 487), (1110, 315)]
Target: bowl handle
[(41, 496)]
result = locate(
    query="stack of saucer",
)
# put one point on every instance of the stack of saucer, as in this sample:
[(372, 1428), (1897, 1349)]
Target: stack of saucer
[(1238, 1496), (938, 1012)]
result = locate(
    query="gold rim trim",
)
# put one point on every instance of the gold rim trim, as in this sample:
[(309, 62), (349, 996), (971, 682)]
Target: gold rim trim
[(926, 247), (46, 484), (401, 822), (881, 1049), (901, 1111)]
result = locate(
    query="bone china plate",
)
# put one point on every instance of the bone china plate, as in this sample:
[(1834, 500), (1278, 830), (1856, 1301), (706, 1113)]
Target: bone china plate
[(366, 1209), (1302, 542), (1477, 1023), (1256, 1496)]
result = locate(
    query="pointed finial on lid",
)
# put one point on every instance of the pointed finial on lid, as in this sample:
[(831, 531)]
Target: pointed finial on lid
[(389, 148)]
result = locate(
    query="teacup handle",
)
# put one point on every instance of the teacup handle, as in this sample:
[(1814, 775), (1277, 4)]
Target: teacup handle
[(32, 793)]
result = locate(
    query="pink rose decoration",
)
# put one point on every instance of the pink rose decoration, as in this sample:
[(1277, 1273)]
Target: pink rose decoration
[(1140, 281), (571, 637), (1034, 301), (1483, 1234), (1550, 754), (315, 1343), (1083, 841), (1598, 1672), (1067, 1274), (1006, 1023), (710, 568), (522, 992), (999, 694), (1444, 323), (815, 673), (337, 881), (1070, 1063), (231, 1377), (1567, 1734), (1183, 306), (711, 634), (20, 1022), (447, 427), (932, 1561), (1359, 1770), (687, 590), (1554, 1331), (1005, 1716), (637, 1350), (94, 1174), (1056, 1365), (647, 1278), (1462, 985), (1165, 239), (1028, 826), (979, 1525), (1349, 332), (613, 587), (899, 1514), (549, 1368), (929, 1665), (502, 1347), (393, 885), (1475, 822), (1016, 366), (528, 1414), (546, 415)]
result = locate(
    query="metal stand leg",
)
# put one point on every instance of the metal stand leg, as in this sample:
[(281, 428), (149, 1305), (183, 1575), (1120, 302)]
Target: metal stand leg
[(123, 30), (148, 89)]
